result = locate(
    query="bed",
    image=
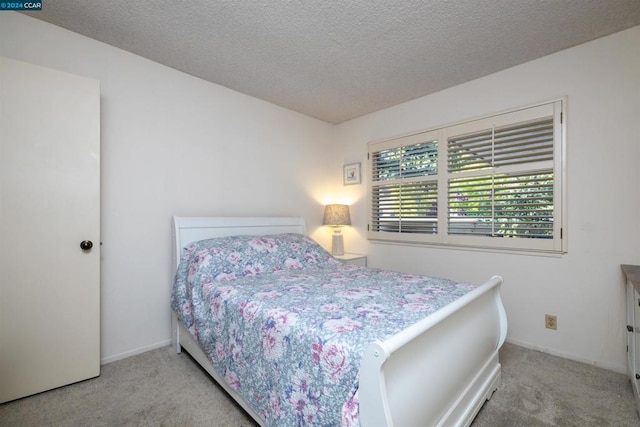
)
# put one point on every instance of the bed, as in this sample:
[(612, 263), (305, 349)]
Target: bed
[(437, 369)]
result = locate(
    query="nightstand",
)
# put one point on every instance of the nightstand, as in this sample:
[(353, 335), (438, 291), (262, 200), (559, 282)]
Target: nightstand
[(355, 259)]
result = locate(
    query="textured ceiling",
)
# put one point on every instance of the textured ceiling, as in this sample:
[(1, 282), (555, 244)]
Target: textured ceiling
[(337, 60)]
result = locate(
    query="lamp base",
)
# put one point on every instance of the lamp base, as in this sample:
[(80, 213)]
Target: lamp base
[(337, 245)]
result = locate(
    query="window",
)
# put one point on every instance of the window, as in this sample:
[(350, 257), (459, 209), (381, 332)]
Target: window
[(405, 197), (495, 182)]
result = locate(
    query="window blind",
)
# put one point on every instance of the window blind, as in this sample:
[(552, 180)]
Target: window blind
[(509, 145), (493, 182), (515, 205), (404, 196), (518, 204)]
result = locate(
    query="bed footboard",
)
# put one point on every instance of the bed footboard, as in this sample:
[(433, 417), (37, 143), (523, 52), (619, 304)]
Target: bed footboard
[(439, 371)]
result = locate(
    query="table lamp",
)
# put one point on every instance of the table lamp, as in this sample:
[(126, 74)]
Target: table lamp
[(336, 216)]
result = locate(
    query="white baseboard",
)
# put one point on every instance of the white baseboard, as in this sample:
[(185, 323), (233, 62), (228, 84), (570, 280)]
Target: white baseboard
[(621, 369), (126, 354)]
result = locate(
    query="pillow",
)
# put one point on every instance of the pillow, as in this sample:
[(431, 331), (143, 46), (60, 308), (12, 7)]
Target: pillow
[(227, 258)]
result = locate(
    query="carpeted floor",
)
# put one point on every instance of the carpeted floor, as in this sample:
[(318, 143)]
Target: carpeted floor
[(538, 389), (161, 388)]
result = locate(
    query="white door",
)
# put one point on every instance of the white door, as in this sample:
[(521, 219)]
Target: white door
[(49, 204)]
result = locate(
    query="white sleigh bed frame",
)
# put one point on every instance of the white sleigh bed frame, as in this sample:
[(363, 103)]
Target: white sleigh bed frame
[(439, 371)]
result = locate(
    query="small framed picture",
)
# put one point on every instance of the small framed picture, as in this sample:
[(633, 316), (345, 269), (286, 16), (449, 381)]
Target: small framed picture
[(352, 174)]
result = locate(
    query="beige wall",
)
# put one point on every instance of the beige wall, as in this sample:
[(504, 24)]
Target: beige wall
[(176, 145), (584, 288), (173, 144)]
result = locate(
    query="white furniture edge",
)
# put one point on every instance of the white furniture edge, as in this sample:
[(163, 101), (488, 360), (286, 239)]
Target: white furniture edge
[(632, 284), (347, 256), (438, 371)]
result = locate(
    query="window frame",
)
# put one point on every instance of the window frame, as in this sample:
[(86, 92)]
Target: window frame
[(557, 244)]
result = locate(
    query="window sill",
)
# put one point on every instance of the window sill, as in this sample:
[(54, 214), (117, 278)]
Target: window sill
[(505, 251)]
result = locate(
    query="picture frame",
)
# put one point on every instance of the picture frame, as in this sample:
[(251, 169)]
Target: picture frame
[(351, 174)]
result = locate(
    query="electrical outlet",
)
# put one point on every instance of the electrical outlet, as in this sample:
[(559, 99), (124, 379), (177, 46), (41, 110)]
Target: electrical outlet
[(551, 321)]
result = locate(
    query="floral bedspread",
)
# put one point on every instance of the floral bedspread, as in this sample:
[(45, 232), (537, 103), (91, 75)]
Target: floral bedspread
[(286, 324)]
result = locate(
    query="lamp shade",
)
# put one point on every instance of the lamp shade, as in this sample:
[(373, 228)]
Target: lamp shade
[(336, 215)]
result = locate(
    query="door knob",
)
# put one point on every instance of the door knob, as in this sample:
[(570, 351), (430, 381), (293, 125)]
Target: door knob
[(85, 245)]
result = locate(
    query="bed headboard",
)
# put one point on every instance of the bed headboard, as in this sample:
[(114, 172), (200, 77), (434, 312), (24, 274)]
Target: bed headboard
[(192, 229)]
